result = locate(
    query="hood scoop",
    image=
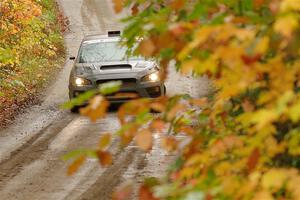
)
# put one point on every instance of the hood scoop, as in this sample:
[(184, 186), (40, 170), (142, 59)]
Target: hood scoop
[(113, 67)]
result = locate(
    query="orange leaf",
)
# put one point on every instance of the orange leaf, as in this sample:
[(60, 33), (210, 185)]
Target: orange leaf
[(253, 159), (248, 106), (96, 109), (133, 107), (121, 114), (104, 141), (147, 48), (130, 95), (177, 30), (76, 165), (169, 144), (118, 5), (158, 107), (177, 4), (249, 60), (175, 110), (123, 193), (126, 139), (157, 125), (135, 9), (185, 129), (144, 140), (258, 3), (199, 102), (146, 194), (105, 158)]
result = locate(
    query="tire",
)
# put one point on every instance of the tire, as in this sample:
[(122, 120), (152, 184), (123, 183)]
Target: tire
[(75, 109)]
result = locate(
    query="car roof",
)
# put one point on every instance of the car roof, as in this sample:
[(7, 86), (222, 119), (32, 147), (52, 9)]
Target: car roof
[(101, 38)]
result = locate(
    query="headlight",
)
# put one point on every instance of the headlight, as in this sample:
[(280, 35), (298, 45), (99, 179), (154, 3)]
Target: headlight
[(81, 81), (154, 77)]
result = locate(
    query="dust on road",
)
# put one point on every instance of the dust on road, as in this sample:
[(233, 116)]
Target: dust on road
[(31, 148)]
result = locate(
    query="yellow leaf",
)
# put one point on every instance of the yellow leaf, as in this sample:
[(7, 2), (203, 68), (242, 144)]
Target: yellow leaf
[(104, 141), (263, 195), (274, 179), (294, 112), (76, 165), (263, 117), (293, 186), (286, 25), (262, 46), (188, 172), (287, 5), (200, 37), (294, 143), (118, 5), (189, 66), (144, 140)]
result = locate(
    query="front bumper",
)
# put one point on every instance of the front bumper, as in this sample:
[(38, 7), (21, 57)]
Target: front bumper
[(147, 90)]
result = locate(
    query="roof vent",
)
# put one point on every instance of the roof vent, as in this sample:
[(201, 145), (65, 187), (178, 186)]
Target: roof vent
[(114, 33), (115, 67)]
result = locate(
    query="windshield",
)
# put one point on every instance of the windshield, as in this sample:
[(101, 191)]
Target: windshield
[(103, 51)]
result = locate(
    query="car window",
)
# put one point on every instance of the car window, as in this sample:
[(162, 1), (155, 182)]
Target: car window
[(93, 52)]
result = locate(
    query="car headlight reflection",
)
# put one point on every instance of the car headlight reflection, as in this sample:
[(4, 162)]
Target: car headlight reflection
[(81, 81), (154, 77)]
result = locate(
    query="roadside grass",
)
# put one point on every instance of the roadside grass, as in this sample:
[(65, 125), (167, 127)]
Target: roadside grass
[(21, 84)]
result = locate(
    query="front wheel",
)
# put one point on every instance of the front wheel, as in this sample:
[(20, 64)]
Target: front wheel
[(75, 109)]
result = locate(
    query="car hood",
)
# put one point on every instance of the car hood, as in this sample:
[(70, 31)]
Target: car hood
[(110, 68)]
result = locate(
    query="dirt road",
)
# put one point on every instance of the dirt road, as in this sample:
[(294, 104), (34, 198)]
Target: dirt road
[(31, 149)]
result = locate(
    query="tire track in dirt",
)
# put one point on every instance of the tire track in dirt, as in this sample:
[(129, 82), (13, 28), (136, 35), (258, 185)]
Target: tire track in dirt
[(31, 150), (111, 177)]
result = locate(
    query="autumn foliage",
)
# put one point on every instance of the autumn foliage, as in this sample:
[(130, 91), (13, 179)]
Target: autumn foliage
[(243, 142), (30, 46)]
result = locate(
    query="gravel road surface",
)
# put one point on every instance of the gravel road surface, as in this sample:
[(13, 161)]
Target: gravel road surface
[(31, 148)]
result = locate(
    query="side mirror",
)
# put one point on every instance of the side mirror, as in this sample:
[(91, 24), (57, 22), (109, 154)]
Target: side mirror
[(72, 58)]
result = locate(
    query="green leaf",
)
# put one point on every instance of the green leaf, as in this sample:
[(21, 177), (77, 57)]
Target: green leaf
[(163, 191), (151, 181), (176, 165), (73, 154), (194, 196), (17, 83), (110, 87), (80, 100), (79, 152)]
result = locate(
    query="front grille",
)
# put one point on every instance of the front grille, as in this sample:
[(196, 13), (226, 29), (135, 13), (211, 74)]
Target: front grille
[(127, 82), (123, 95)]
